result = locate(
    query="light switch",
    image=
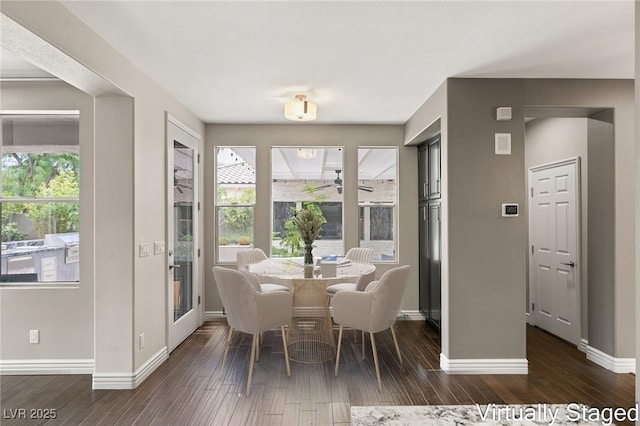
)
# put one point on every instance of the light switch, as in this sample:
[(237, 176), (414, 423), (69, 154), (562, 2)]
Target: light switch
[(144, 249), (158, 247)]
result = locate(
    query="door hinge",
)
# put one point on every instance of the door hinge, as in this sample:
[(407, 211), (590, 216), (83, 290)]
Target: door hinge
[(198, 158), (198, 252), (531, 249), (198, 205), (533, 307), (532, 192), (198, 300)]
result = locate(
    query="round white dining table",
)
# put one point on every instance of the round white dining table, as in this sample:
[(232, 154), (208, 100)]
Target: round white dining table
[(310, 335)]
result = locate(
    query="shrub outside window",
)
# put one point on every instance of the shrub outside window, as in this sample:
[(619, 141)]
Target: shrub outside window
[(235, 200)]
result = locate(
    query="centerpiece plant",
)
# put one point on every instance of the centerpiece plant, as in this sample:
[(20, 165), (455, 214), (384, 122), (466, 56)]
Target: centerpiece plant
[(309, 226)]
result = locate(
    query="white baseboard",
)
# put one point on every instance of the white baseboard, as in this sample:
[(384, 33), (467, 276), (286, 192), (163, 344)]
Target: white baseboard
[(29, 367), (617, 365), (410, 315), (214, 315), (130, 380), (582, 345), (484, 366), (413, 315)]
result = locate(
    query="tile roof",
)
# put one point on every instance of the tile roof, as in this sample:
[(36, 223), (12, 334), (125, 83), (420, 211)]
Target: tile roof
[(237, 173)]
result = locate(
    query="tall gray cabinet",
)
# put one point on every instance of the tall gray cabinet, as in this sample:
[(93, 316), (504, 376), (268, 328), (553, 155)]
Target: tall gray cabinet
[(429, 186)]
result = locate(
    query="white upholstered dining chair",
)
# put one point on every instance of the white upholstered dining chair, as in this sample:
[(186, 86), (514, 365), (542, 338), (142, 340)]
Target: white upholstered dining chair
[(359, 255), (373, 310), (251, 311), (360, 285), (247, 257)]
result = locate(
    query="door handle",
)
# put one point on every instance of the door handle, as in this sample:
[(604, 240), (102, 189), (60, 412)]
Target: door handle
[(572, 264), (171, 266)]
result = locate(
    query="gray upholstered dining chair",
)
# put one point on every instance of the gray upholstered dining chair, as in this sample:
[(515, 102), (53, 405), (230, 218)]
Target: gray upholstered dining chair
[(359, 254), (251, 311), (373, 310), (246, 257)]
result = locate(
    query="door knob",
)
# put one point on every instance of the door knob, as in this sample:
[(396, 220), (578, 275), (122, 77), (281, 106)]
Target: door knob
[(572, 264)]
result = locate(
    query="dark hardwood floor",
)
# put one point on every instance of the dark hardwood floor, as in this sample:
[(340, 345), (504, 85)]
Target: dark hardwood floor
[(188, 390)]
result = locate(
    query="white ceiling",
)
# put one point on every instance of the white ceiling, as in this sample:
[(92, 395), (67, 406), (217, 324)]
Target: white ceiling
[(360, 61)]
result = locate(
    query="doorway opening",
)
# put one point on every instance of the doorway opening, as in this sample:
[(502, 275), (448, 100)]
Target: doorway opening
[(551, 136)]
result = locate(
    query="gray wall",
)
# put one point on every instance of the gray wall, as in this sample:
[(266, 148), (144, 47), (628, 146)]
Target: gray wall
[(486, 283), (484, 267), (637, 181), (263, 137), (619, 96), (601, 231), (64, 316), (144, 280), (553, 139)]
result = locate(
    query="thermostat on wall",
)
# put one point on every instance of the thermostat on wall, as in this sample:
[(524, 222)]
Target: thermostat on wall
[(510, 210)]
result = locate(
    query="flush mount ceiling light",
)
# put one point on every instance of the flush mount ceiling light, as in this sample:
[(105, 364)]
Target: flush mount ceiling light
[(300, 109)]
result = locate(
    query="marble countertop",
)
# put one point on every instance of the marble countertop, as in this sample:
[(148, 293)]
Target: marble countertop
[(492, 414)]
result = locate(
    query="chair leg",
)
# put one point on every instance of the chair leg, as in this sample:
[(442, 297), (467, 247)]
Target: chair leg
[(328, 320), (226, 350), (286, 351), (251, 362), (395, 341), (375, 360), (338, 353), (259, 343)]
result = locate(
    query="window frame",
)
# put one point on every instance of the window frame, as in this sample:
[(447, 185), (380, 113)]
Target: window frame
[(43, 284), (299, 203), (223, 205), (393, 204)]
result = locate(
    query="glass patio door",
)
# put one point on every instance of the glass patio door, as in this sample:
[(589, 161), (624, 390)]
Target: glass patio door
[(182, 241)]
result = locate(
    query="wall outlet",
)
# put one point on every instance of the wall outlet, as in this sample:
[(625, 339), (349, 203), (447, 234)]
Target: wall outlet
[(34, 336), (158, 247), (141, 341), (144, 249)]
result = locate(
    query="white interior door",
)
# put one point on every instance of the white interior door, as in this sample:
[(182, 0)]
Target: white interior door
[(554, 235), (183, 287)]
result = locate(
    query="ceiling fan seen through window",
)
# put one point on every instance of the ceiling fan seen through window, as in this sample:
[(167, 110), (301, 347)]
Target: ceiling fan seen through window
[(337, 183)]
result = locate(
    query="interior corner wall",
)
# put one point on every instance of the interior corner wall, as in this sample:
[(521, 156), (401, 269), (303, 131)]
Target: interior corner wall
[(350, 137), (426, 122), (64, 316), (601, 231), (487, 252), (637, 181)]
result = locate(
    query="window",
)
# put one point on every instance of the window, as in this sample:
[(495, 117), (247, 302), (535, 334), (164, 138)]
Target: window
[(377, 201), (303, 176), (40, 201), (235, 200)]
